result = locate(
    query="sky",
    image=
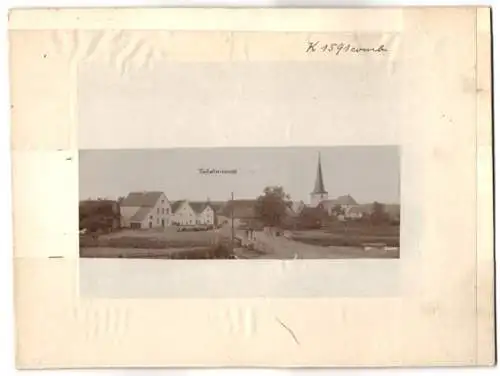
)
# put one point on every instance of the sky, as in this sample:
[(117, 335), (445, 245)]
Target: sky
[(132, 123), (367, 173)]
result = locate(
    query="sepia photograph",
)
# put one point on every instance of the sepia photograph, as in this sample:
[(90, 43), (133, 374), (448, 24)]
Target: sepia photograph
[(240, 203), (261, 197), (252, 187)]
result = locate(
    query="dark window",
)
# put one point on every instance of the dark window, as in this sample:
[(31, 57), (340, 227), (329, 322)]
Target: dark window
[(150, 217)]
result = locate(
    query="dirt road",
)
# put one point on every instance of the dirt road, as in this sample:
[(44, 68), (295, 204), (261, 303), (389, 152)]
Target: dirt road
[(279, 247)]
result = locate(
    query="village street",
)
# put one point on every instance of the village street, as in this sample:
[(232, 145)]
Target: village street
[(283, 248), (269, 246)]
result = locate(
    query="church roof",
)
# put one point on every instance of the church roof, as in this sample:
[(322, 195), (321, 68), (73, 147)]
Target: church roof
[(346, 200), (341, 200), (319, 186)]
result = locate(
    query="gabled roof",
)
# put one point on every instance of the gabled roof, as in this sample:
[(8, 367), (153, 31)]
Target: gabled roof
[(199, 207), (240, 208), (346, 200), (141, 199), (341, 200), (176, 205), (196, 206), (141, 214)]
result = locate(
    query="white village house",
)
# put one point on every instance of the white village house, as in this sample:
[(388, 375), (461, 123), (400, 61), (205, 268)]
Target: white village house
[(153, 210), (145, 210), (187, 213), (206, 213)]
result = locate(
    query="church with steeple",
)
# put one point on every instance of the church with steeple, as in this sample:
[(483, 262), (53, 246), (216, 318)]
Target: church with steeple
[(319, 198), (319, 192)]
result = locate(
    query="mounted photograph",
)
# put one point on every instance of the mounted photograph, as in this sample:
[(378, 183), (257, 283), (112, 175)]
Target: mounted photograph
[(279, 187), (240, 203)]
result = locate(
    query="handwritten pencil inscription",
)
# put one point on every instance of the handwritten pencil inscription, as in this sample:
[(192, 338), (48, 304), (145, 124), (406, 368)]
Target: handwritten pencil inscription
[(342, 48)]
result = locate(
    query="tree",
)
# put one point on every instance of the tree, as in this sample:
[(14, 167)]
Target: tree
[(312, 218), (95, 224), (271, 206), (378, 214), (98, 215)]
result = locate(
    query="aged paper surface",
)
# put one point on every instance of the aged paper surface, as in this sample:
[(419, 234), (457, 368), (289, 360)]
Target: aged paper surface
[(429, 93)]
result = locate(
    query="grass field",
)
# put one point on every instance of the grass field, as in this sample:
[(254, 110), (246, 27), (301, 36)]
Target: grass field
[(194, 253), (156, 243), (349, 235), (151, 239), (170, 244), (362, 228)]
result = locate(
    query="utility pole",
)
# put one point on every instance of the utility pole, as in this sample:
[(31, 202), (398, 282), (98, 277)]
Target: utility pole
[(232, 222)]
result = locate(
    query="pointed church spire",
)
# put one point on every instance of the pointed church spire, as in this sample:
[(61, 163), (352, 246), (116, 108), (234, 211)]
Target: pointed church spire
[(319, 186)]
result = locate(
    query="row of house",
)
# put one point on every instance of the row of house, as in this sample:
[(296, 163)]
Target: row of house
[(343, 207), (154, 209)]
